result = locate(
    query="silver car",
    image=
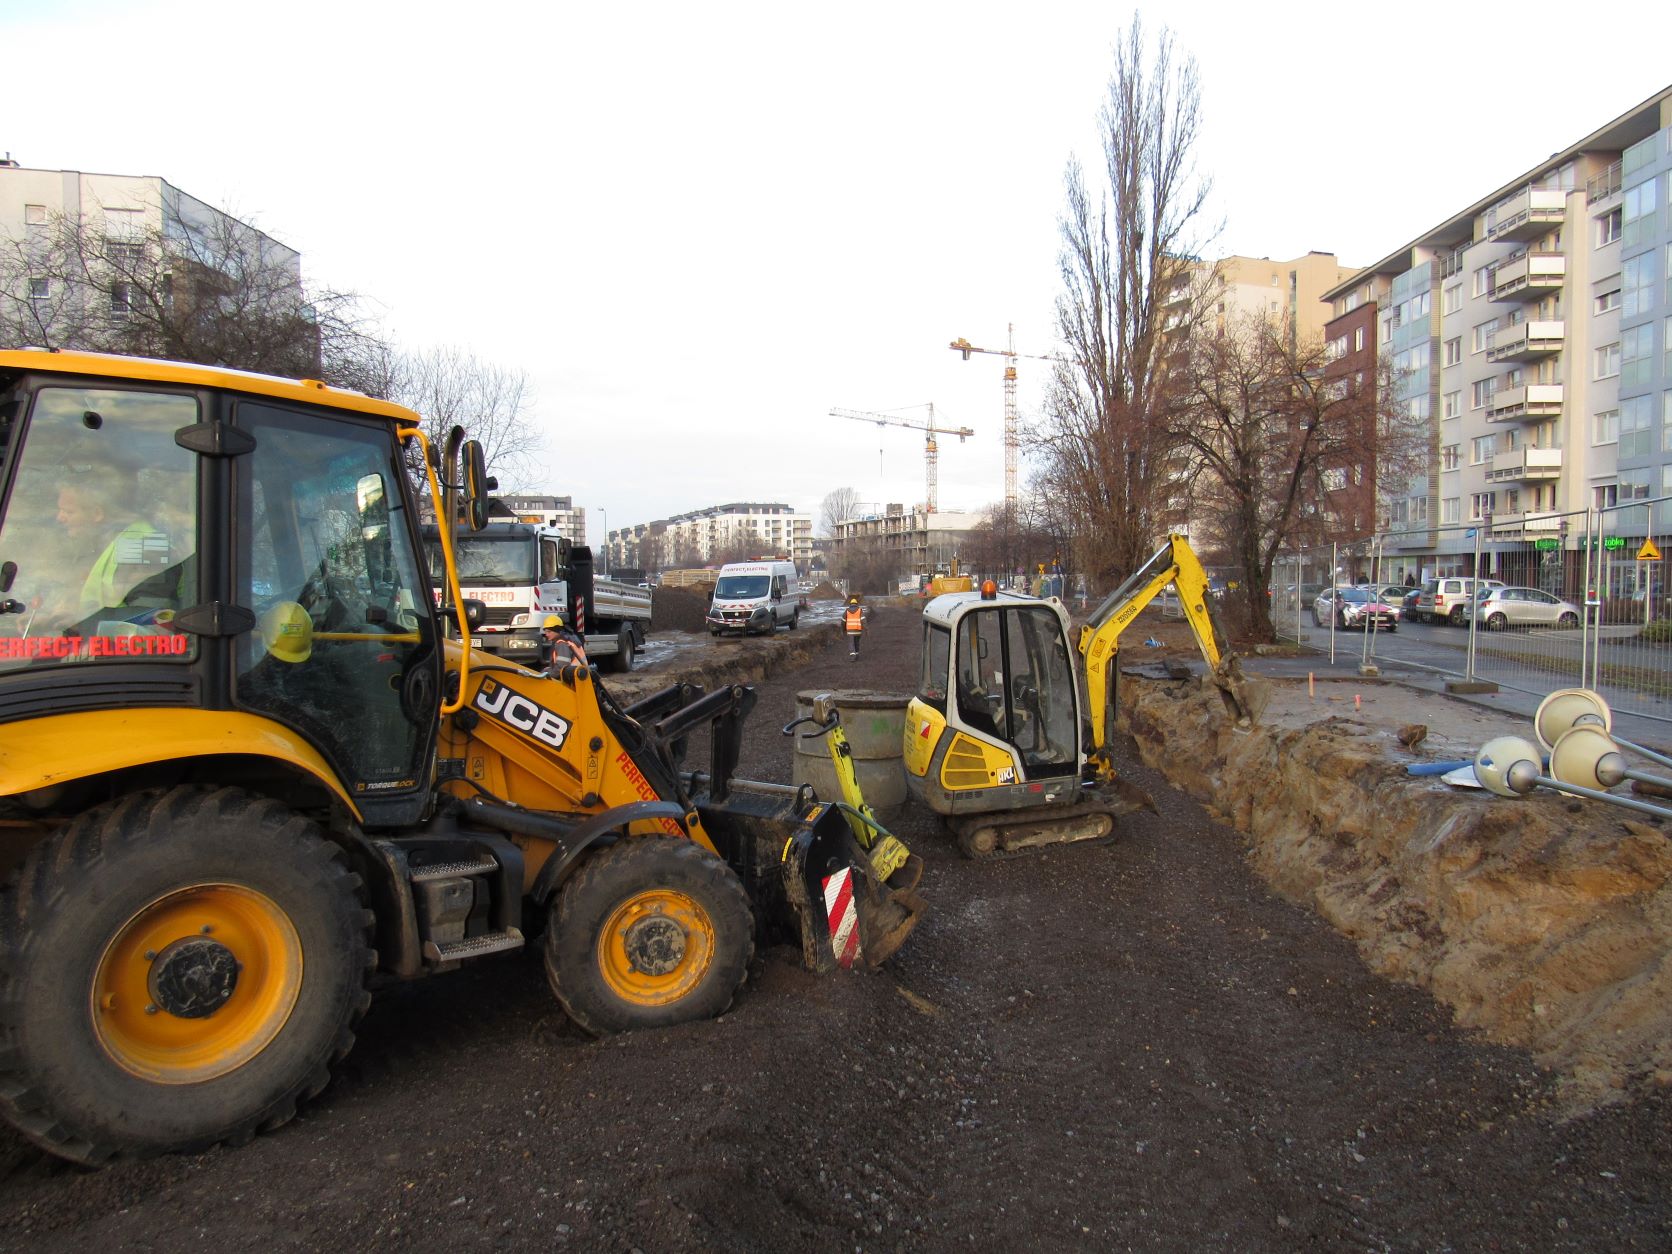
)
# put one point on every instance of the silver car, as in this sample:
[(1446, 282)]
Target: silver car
[(1354, 607), (1500, 608)]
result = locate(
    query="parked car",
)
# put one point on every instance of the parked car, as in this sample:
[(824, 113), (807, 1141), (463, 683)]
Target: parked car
[(1447, 600), (1408, 607), (1499, 608), (1394, 594), (1354, 607)]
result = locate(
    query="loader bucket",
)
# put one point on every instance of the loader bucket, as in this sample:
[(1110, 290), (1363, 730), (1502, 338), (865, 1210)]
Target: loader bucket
[(847, 915), (811, 881)]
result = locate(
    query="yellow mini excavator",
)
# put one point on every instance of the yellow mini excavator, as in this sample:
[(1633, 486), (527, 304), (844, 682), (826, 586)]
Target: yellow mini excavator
[(1007, 739), (245, 773)]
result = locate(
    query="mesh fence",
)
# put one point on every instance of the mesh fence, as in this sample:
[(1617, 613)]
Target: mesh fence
[(1531, 602)]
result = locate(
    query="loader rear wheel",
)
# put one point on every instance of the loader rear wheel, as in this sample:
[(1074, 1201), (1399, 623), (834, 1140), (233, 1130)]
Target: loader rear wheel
[(647, 933), (181, 968)]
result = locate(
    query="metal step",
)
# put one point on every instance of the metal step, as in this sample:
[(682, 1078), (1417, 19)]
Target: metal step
[(450, 870), (474, 947)]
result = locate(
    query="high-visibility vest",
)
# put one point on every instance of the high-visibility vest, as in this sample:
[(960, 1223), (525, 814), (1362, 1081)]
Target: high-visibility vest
[(855, 620)]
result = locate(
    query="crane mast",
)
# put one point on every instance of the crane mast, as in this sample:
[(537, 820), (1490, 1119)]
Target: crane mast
[(931, 451), (1012, 423)]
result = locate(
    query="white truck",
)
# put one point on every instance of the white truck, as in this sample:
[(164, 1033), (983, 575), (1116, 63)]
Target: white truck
[(522, 572), (755, 597)]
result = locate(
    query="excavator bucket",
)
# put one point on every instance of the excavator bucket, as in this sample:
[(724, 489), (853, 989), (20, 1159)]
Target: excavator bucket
[(812, 882)]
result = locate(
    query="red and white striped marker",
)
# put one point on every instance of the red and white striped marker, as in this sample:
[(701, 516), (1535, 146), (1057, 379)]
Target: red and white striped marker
[(844, 920)]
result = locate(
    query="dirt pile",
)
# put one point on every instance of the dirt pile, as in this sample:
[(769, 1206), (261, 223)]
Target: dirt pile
[(1544, 921), (825, 591), (680, 609)]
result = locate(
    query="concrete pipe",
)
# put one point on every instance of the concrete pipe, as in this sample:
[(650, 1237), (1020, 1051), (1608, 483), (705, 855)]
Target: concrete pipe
[(875, 725)]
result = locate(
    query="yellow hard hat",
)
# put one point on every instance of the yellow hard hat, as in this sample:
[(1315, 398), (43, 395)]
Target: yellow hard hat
[(287, 632), (554, 622)]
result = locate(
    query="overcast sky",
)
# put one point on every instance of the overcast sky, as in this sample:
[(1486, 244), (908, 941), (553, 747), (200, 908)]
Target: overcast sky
[(698, 228)]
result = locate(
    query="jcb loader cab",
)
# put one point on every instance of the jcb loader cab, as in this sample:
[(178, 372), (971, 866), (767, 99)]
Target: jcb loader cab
[(244, 774), (1007, 739)]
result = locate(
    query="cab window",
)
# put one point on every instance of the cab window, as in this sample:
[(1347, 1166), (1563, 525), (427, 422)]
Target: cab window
[(937, 649), (99, 539), (344, 647)]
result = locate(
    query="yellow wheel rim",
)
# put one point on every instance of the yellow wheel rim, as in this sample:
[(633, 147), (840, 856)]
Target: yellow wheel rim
[(656, 947), (196, 984)]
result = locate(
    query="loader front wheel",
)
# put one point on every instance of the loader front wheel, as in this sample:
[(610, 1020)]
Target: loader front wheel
[(649, 932), (181, 968)]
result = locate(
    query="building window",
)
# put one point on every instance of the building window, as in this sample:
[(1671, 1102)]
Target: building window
[(1607, 361), (1480, 449), (1481, 503), (1454, 351), (1605, 427), (1452, 405), (34, 215), (1637, 350), (1419, 509), (1451, 510), (1605, 496), (1453, 298), (1606, 302), (1358, 339), (1449, 458), (1634, 484), (1637, 285), (1608, 227), (1482, 391), (1483, 335), (1635, 438), (121, 303), (40, 289), (1483, 281)]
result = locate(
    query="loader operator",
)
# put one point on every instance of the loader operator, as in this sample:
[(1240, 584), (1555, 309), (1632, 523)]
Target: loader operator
[(88, 510), (563, 649)]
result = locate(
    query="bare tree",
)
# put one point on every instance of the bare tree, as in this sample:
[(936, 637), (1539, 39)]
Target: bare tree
[(1275, 442), (451, 386), (198, 286), (1127, 268), (870, 566), (837, 507)]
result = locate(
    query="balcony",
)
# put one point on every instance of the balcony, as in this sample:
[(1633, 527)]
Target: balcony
[(1524, 404), (1526, 524), (1527, 214), (1530, 276), (1525, 464), (1524, 341)]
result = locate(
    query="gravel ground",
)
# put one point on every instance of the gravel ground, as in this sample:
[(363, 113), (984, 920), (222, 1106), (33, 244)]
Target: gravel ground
[(1126, 1045)]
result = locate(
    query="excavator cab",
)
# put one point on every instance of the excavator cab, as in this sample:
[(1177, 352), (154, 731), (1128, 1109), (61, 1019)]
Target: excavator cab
[(1007, 739)]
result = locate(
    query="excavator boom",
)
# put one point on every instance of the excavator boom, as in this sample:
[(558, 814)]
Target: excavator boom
[(1176, 565)]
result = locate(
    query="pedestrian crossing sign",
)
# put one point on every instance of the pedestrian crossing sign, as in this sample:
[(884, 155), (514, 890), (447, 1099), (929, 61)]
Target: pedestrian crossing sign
[(1648, 553)]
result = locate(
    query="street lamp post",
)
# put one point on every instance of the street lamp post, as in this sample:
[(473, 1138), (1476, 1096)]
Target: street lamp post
[(606, 514)]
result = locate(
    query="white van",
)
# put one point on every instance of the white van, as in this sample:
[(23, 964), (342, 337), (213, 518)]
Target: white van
[(754, 597)]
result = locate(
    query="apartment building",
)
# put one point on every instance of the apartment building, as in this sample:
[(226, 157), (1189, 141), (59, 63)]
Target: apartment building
[(559, 512), (924, 541), (1531, 331), (120, 212), (698, 537)]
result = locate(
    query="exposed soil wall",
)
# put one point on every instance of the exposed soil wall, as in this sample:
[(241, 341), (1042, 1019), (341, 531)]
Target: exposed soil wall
[(1544, 921)]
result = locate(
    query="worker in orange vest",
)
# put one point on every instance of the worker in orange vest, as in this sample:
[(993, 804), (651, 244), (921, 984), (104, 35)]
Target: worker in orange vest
[(854, 623), (563, 650)]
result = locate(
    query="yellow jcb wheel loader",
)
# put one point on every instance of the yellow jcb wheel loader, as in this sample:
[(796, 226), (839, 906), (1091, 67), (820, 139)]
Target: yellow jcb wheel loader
[(245, 774), (1008, 740)]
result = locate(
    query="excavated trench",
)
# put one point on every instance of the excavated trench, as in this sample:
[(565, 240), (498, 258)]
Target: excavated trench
[(1543, 921)]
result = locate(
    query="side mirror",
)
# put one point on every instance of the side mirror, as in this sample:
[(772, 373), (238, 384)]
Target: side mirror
[(476, 485), (475, 612)]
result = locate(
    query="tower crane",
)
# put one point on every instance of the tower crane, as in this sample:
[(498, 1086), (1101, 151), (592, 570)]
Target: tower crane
[(931, 451), (1012, 436)]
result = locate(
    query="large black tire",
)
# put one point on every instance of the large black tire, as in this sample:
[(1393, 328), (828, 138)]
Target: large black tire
[(622, 660), (1496, 622), (795, 618), (649, 932), (232, 919), (1456, 616), (1568, 621)]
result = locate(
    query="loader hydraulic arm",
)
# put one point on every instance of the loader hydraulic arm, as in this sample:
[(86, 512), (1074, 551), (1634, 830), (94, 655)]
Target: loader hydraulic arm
[(1176, 564)]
